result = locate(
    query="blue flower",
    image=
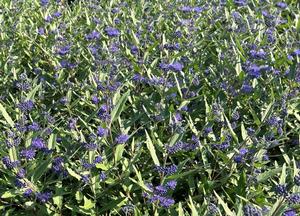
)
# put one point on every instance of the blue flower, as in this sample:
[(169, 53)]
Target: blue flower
[(95, 99), (246, 88), (41, 31), (28, 154), (160, 190), (297, 180), (27, 192), (102, 132), (165, 201), (98, 159), (240, 2), (21, 173), (168, 170), (186, 9), (171, 184), (250, 210), (10, 164), (112, 32), (281, 190), (26, 106), (85, 178), (260, 54), (102, 176), (44, 2), (254, 71), (93, 35), (294, 198), (238, 159), (104, 113), (34, 126), (90, 146), (19, 183), (290, 212), (38, 143), (57, 165), (72, 123), (64, 50), (43, 197), (122, 138), (281, 5), (57, 14), (134, 50), (176, 66)]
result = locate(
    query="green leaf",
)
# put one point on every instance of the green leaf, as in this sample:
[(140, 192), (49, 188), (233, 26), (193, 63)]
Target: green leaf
[(119, 107), (52, 141), (255, 117), (268, 174), (78, 196), (58, 198), (267, 112), (119, 152), (6, 116), (8, 194), (224, 205), (32, 93), (183, 174), (283, 174), (235, 137), (41, 169), (192, 207), (151, 148), (113, 204), (243, 131), (74, 174), (135, 39), (176, 137), (102, 166), (88, 204), (180, 209), (276, 208), (140, 181), (13, 154)]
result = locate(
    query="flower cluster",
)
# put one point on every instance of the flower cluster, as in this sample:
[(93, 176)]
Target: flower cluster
[(159, 194)]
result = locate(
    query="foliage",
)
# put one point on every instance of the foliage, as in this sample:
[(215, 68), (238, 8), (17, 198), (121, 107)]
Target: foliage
[(150, 107)]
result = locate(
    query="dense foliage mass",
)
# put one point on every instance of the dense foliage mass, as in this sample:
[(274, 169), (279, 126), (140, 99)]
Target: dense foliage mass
[(150, 107)]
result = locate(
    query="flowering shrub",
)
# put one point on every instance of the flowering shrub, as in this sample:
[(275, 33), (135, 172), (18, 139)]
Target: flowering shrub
[(150, 107)]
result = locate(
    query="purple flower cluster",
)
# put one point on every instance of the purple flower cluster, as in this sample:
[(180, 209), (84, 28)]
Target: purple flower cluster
[(10, 164), (43, 197), (103, 113), (181, 146), (294, 198), (167, 170), (93, 35), (86, 165), (26, 105), (297, 180), (102, 132), (159, 194), (112, 32), (90, 146), (223, 146), (290, 212), (239, 158), (250, 210), (28, 154), (281, 190), (121, 139), (57, 165), (38, 143)]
